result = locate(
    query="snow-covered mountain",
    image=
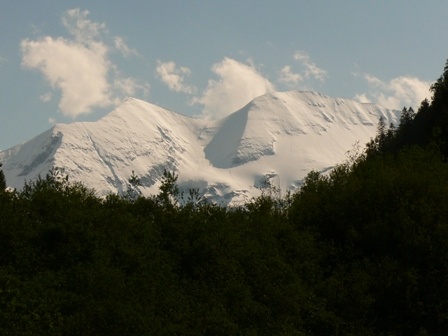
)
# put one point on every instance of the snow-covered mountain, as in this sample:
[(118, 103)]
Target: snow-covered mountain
[(277, 138)]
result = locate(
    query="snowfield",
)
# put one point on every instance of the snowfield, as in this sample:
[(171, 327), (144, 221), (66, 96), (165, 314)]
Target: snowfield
[(278, 137)]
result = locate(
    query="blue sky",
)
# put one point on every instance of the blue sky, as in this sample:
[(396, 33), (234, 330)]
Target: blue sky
[(64, 61)]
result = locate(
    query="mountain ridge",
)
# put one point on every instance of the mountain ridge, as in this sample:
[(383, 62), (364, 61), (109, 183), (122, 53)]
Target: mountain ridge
[(279, 136)]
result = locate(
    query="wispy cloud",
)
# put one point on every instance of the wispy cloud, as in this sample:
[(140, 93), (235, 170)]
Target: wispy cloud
[(76, 22), (237, 85), (123, 48), (79, 67), (306, 70), (362, 98), (288, 77), (395, 94), (129, 86), (311, 69), (46, 97), (174, 77)]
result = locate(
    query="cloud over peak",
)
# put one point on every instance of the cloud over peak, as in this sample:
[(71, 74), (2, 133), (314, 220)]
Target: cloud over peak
[(395, 94), (288, 77), (237, 85)]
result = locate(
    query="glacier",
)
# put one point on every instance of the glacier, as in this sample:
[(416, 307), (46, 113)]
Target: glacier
[(277, 138)]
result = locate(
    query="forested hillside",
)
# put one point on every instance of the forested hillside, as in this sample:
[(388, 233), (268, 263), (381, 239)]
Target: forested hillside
[(361, 251)]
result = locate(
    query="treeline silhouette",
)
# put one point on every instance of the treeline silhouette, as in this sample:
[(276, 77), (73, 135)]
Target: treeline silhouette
[(362, 250)]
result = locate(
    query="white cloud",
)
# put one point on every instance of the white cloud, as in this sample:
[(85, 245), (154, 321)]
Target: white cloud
[(311, 69), (238, 84), (78, 70), (76, 22), (122, 47), (398, 92), (362, 98), (51, 121), (174, 77), (129, 86), (308, 70), (46, 97), (286, 76), (79, 67)]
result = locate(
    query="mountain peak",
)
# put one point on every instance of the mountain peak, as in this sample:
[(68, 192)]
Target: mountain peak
[(279, 136)]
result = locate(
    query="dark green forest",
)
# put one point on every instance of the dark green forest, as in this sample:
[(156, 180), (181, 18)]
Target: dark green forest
[(360, 251)]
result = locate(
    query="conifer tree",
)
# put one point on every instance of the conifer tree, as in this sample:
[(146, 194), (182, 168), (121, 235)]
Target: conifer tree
[(133, 190), (169, 191), (2, 179), (440, 88), (406, 117)]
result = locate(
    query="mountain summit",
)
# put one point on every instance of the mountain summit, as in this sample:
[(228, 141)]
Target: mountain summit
[(277, 138)]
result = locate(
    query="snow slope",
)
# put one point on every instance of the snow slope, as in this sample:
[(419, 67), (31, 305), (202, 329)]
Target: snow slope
[(277, 137)]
